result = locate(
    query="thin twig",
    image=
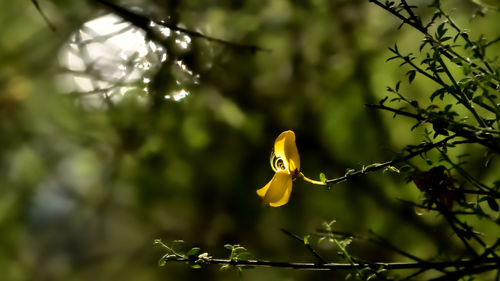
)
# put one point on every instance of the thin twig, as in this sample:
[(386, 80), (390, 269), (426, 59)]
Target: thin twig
[(430, 208), (478, 135), (456, 275), (307, 245), (372, 168), (492, 42), (459, 95), (439, 81), (45, 18), (444, 50), (474, 234), (482, 187), (144, 23), (401, 17), (450, 218), (344, 266), (419, 117), (380, 240), (466, 38), (491, 250)]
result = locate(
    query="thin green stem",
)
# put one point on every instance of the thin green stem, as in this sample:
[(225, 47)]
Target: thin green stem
[(169, 249), (301, 175), (346, 255), (379, 166)]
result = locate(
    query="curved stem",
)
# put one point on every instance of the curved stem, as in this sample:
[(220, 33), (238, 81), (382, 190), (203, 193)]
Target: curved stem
[(311, 180)]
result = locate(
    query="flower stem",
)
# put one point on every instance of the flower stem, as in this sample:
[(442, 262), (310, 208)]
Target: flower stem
[(311, 180)]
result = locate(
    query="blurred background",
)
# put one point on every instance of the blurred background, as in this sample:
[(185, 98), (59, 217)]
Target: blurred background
[(109, 140)]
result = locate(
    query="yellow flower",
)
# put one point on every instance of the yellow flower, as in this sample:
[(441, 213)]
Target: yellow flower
[(285, 162)]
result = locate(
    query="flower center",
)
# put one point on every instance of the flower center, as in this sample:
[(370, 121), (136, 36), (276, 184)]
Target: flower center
[(277, 164)]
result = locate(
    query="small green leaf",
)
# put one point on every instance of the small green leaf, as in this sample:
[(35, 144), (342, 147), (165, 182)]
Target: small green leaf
[(193, 252), (438, 92), (162, 261), (349, 171), (391, 58), (405, 168), (306, 239), (381, 102), (391, 169), (243, 256), (441, 30), (456, 60), (322, 177), (370, 167), (411, 75), (445, 38), (492, 203), (478, 99), (320, 240), (196, 266), (496, 184)]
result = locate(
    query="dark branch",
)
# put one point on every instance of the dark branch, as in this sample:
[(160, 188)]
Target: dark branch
[(307, 245), (474, 134), (372, 168), (492, 42), (456, 275), (345, 266), (144, 23), (45, 18), (444, 50)]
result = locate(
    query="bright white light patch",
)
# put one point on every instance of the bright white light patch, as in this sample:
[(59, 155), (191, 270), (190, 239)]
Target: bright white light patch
[(107, 56), (177, 96)]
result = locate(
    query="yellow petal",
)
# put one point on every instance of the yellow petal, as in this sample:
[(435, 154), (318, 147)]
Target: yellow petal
[(286, 149), (277, 192), (262, 192)]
